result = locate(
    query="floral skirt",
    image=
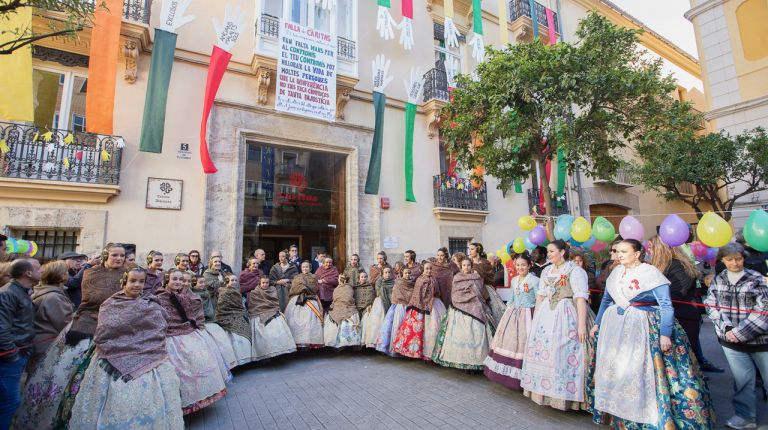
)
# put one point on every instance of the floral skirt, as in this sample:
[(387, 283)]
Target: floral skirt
[(48, 383), (150, 401), (198, 370), (370, 323), (306, 327), (272, 339), (340, 335), (224, 345), (633, 385), (432, 327), (504, 363), (393, 319), (462, 341), (409, 339), (242, 347)]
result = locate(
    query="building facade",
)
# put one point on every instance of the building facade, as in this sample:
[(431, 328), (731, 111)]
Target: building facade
[(282, 178)]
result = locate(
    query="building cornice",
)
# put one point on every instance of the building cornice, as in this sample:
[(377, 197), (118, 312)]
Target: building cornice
[(736, 108), (705, 6)]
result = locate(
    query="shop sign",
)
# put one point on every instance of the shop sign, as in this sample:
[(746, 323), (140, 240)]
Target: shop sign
[(296, 196), (164, 193)]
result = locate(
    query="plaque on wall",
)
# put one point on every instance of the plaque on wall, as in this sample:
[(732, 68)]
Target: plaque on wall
[(164, 193)]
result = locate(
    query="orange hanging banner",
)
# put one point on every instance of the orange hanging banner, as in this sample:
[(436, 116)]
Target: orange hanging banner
[(102, 66)]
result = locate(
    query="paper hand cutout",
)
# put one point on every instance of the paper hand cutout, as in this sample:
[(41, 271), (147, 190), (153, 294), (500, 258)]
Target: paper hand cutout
[(478, 49), (172, 15), (326, 4), (406, 33), (380, 70), (413, 88), (451, 70), (229, 31), (385, 23), (451, 34)]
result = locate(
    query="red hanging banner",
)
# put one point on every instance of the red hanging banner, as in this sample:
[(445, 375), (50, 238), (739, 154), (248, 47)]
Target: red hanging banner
[(219, 61)]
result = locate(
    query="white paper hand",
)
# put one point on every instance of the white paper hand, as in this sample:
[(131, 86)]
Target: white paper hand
[(229, 31), (385, 23), (478, 49), (380, 70), (328, 4), (172, 15), (451, 70), (451, 34), (413, 88), (406, 33)]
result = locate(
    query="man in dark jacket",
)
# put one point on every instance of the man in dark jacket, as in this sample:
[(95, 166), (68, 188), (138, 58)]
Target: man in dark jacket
[(76, 267), (17, 329)]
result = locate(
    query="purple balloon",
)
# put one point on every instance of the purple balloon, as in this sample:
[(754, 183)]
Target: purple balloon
[(674, 231), (631, 228), (711, 254), (537, 235)]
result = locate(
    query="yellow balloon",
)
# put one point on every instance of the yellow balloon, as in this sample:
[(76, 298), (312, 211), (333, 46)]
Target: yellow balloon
[(581, 230), (526, 222), (500, 252), (713, 230), (518, 245), (505, 258)]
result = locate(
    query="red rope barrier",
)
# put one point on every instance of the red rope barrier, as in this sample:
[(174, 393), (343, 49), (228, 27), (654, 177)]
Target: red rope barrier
[(704, 305), (17, 349)]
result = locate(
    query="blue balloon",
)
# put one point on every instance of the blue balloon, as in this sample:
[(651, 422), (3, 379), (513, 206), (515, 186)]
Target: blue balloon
[(509, 247), (528, 244), (562, 228), (591, 241), (574, 242)]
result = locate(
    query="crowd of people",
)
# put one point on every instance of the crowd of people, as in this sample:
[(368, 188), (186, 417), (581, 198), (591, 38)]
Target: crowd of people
[(104, 342)]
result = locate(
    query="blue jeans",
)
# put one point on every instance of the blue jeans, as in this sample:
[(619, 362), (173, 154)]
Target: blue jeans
[(743, 369), (10, 390)]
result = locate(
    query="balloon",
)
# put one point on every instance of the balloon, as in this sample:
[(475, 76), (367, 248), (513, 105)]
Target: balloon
[(603, 230), (674, 231), (714, 231), (33, 250), (518, 245), (509, 246), (22, 246), (574, 242), (711, 254), (598, 246), (538, 235), (630, 228), (505, 258), (526, 222), (699, 249), (756, 230), (581, 230), (499, 252), (591, 241), (527, 242), (10, 246), (562, 229)]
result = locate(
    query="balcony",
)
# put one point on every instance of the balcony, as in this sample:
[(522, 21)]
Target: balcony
[(534, 204), (621, 179), (137, 10), (268, 26), (458, 199), (520, 16), (61, 166), (436, 83)]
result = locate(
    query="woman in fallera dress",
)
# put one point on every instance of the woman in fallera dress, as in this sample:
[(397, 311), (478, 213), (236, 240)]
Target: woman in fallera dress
[(271, 335), (557, 349), (370, 315), (417, 334), (212, 331), (130, 383), (304, 312), (645, 376), (401, 295), (443, 269), (504, 363), (342, 322), (376, 270), (483, 267), (232, 317), (372, 327)]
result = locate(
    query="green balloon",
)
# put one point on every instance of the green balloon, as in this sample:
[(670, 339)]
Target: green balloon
[(756, 230), (603, 230)]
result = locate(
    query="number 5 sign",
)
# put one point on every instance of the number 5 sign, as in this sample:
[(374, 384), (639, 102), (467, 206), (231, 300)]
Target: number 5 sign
[(164, 193)]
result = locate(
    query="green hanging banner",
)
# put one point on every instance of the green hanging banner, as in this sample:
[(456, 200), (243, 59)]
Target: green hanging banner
[(477, 16), (518, 187), (534, 20), (374, 166), (561, 172), (410, 120), (153, 123)]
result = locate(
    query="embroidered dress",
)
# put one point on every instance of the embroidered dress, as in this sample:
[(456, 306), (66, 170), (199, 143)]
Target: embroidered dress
[(410, 337), (222, 343), (392, 321), (347, 333), (198, 370), (432, 327), (371, 322), (504, 363), (305, 322), (270, 333), (633, 384), (555, 362)]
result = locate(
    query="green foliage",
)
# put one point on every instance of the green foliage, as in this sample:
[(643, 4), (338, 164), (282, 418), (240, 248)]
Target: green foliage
[(591, 98), (70, 18), (713, 163)]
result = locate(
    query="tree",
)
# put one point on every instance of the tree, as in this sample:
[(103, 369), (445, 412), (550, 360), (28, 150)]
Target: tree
[(74, 14), (527, 101), (713, 163)]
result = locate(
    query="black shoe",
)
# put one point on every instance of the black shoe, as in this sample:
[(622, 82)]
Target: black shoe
[(708, 366)]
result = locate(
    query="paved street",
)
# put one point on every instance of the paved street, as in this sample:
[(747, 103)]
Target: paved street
[(364, 390)]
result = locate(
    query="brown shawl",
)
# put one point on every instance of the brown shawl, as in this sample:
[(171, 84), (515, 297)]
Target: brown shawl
[(416, 270), (130, 335), (263, 303), (249, 281), (99, 284), (485, 270), (467, 295), (384, 289), (375, 272), (304, 286), (330, 279), (443, 274), (424, 293), (402, 292), (214, 281), (343, 305), (230, 313), (353, 274), (184, 311), (364, 296)]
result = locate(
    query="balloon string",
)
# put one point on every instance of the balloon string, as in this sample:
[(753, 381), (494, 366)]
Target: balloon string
[(676, 213)]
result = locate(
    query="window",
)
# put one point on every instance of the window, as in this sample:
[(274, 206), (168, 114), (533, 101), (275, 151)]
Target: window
[(51, 243), (254, 153), (345, 13), (310, 13), (273, 8), (450, 57), (458, 245), (59, 99)]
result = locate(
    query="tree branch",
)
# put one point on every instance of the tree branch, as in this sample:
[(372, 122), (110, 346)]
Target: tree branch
[(14, 44), (13, 5)]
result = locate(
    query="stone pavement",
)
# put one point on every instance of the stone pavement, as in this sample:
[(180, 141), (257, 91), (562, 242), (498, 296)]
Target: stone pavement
[(366, 390)]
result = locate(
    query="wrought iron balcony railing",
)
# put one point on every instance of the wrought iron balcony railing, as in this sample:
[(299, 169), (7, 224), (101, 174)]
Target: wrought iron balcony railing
[(436, 83), (534, 204), (622, 178), (137, 10), (520, 8), (346, 49), (29, 152), (459, 193), (268, 26)]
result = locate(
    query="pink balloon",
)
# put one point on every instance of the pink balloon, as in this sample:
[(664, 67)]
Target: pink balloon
[(598, 246), (699, 249), (631, 228), (674, 231)]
